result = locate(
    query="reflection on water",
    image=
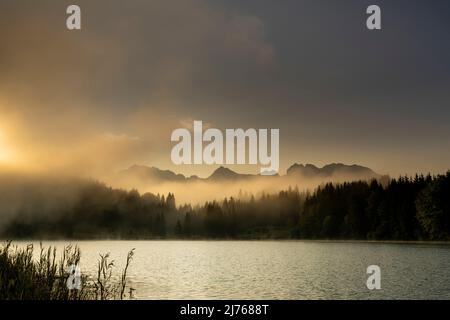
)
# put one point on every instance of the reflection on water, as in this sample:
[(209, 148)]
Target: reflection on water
[(275, 269)]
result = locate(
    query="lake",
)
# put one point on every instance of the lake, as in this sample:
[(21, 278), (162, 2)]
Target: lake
[(274, 269)]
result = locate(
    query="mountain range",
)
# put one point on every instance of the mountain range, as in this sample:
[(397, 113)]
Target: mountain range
[(334, 171)]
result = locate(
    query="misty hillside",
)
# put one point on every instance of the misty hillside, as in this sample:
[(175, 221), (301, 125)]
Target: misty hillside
[(226, 182), (415, 208)]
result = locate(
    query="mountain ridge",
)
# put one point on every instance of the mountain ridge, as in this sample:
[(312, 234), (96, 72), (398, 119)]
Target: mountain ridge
[(222, 173)]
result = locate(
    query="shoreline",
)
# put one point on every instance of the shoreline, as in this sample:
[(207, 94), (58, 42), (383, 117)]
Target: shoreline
[(406, 242)]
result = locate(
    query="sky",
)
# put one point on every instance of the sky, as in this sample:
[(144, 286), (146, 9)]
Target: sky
[(106, 97)]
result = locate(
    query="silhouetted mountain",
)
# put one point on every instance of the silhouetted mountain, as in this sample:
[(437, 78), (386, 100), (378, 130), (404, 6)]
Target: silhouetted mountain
[(225, 174), (151, 173), (329, 172), (332, 170), (307, 170)]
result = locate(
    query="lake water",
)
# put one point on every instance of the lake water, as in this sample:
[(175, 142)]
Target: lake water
[(275, 269)]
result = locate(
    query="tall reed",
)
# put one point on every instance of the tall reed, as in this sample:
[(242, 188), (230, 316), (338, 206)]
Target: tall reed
[(25, 277)]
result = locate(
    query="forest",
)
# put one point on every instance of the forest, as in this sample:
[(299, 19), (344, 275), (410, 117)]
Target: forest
[(406, 208)]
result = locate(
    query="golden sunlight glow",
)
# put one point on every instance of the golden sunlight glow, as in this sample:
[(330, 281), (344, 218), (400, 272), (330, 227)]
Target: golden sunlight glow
[(6, 153)]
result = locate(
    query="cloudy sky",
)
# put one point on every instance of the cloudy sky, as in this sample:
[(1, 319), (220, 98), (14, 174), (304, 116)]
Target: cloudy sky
[(108, 96)]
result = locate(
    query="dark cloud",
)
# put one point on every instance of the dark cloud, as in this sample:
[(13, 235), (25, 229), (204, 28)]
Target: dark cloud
[(338, 92)]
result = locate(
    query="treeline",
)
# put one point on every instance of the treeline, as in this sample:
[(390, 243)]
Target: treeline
[(408, 208)]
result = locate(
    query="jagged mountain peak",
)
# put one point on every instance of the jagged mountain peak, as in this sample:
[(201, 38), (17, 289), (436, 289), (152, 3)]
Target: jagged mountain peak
[(223, 173), (331, 169)]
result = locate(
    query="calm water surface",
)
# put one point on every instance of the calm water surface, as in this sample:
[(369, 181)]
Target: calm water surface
[(275, 269)]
